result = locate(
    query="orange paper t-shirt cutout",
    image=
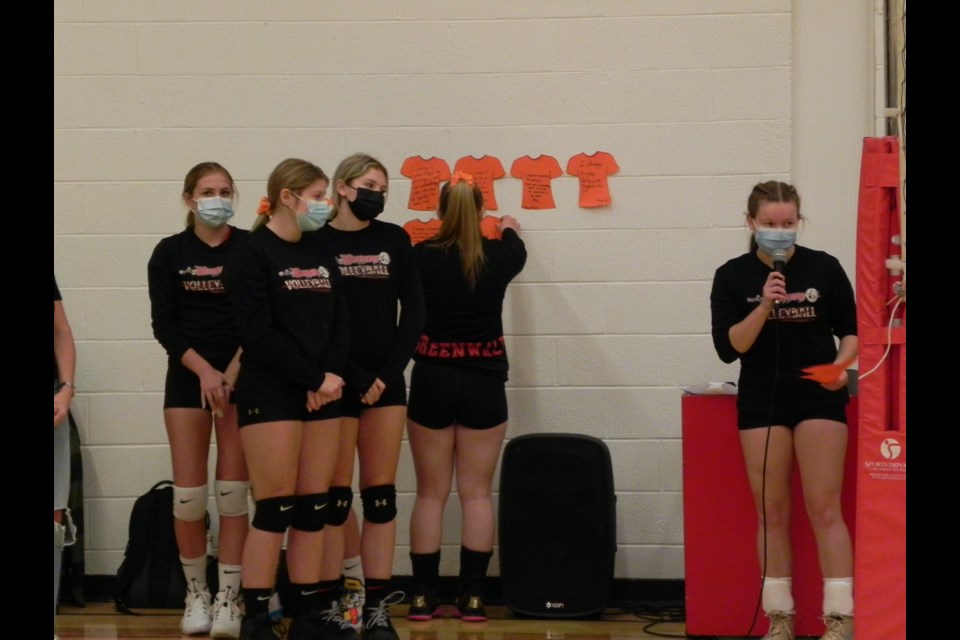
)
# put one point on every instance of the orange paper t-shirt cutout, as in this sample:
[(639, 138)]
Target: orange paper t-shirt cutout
[(484, 171), (426, 174), (593, 171), (488, 227), (418, 230), (536, 174)]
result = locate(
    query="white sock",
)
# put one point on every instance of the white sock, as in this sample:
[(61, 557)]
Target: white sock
[(838, 596), (353, 568), (777, 594), (195, 571), (229, 575)]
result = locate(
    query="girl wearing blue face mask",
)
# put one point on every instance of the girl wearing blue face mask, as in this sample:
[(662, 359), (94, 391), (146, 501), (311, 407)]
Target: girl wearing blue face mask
[(375, 261), (778, 309), (294, 328), (195, 324)]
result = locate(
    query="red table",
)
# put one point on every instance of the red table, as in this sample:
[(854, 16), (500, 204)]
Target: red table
[(720, 523)]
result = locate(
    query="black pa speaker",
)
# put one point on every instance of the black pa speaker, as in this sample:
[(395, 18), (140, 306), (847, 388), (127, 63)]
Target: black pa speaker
[(558, 525)]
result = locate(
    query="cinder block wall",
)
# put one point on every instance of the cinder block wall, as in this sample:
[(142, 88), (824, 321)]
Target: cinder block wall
[(610, 317)]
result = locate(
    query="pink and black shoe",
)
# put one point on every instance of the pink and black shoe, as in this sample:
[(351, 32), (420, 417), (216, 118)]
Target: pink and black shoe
[(470, 608), (424, 605)]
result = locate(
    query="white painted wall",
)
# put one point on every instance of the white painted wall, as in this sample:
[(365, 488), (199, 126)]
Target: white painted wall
[(696, 99), (835, 104)]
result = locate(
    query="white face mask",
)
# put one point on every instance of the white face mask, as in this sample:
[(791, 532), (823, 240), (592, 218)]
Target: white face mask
[(317, 214), (214, 212), (770, 239)]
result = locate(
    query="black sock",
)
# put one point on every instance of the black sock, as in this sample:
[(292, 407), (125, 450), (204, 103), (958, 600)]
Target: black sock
[(426, 570), (473, 570), (376, 590), (306, 596), (330, 590), (256, 601)]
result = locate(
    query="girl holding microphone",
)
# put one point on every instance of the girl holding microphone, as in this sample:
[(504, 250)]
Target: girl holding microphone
[(778, 309)]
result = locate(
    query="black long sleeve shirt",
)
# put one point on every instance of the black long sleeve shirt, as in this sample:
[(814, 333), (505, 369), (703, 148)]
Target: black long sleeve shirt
[(188, 303), (820, 305), (290, 308), (464, 326), (379, 274)]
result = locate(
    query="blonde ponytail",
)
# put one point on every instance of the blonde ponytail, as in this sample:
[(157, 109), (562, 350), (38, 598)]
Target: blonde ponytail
[(461, 206)]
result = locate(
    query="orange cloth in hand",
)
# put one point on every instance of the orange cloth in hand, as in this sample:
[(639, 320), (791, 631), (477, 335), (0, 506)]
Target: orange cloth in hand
[(826, 373)]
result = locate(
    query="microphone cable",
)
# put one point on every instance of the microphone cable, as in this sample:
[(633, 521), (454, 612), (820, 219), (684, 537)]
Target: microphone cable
[(763, 479), (886, 352)]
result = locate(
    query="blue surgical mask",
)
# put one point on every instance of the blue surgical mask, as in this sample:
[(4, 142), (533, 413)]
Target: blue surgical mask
[(771, 239), (317, 214), (214, 212)]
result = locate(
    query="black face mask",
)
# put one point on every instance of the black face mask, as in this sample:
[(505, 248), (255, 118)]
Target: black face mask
[(368, 205)]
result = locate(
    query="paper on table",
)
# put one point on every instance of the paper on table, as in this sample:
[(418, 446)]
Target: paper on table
[(711, 389)]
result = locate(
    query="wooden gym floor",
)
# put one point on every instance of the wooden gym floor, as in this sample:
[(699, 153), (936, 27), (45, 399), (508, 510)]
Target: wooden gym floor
[(100, 620)]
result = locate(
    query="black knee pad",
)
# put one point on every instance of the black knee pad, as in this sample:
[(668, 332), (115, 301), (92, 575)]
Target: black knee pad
[(274, 514), (341, 499), (379, 503), (311, 512)]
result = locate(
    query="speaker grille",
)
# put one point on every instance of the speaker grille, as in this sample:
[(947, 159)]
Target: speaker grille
[(557, 525)]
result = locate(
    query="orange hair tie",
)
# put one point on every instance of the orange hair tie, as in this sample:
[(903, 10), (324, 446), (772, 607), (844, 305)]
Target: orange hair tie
[(264, 208), (460, 175)]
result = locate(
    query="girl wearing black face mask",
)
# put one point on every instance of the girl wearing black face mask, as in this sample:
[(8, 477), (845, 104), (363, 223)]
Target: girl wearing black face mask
[(376, 265), (778, 309)]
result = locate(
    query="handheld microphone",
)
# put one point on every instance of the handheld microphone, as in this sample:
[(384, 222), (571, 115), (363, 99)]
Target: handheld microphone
[(779, 259)]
